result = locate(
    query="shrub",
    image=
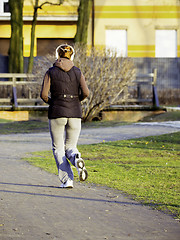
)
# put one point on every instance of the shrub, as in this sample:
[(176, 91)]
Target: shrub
[(107, 77)]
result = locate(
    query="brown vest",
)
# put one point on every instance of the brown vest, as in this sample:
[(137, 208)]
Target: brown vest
[(65, 88)]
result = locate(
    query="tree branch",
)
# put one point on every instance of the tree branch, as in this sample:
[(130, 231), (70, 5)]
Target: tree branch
[(47, 2)]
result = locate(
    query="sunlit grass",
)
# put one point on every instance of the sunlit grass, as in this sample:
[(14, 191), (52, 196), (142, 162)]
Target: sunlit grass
[(147, 169)]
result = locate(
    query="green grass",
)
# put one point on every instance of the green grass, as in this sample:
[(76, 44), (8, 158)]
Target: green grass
[(146, 169), (32, 126), (5, 120), (167, 116), (97, 124), (9, 127)]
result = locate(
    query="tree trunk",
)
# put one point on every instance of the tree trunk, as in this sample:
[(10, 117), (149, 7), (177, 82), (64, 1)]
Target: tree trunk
[(31, 57), (84, 10), (16, 61)]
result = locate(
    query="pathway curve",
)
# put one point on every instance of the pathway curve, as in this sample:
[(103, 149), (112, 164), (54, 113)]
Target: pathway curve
[(32, 206)]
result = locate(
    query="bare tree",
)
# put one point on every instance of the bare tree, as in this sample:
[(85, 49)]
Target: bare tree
[(34, 22), (16, 43)]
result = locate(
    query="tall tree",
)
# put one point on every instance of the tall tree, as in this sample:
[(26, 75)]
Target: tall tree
[(16, 41), (34, 22), (84, 10)]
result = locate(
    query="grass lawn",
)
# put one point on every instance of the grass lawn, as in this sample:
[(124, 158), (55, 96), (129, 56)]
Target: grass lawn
[(146, 169), (33, 126)]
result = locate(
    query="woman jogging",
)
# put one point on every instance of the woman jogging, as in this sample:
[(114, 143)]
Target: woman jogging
[(67, 88)]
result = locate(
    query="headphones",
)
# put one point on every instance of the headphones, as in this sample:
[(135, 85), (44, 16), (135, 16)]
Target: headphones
[(65, 50)]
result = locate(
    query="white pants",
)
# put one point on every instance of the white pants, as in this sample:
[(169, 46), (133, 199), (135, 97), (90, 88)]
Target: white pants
[(65, 134)]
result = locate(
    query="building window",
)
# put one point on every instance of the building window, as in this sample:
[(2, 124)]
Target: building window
[(4, 7), (116, 40), (4, 46), (166, 43)]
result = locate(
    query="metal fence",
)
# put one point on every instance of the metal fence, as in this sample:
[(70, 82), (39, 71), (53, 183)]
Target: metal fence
[(168, 71), (12, 98), (167, 83), (16, 80)]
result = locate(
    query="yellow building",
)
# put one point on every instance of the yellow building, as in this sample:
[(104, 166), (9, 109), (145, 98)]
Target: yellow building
[(139, 28), (135, 28)]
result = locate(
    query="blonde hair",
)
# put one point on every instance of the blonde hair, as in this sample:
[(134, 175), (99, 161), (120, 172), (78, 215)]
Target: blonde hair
[(66, 51)]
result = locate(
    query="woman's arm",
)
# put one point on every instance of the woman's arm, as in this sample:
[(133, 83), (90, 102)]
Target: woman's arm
[(84, 88), (45, 88)]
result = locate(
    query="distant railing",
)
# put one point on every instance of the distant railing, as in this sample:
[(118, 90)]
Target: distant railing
[(145, 79), (12, 77)]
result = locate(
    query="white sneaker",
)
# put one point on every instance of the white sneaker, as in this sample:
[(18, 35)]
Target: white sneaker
[(80, 165), (67, 184)]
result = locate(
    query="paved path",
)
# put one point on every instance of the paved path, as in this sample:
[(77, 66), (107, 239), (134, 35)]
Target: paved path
[(32, 206)]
